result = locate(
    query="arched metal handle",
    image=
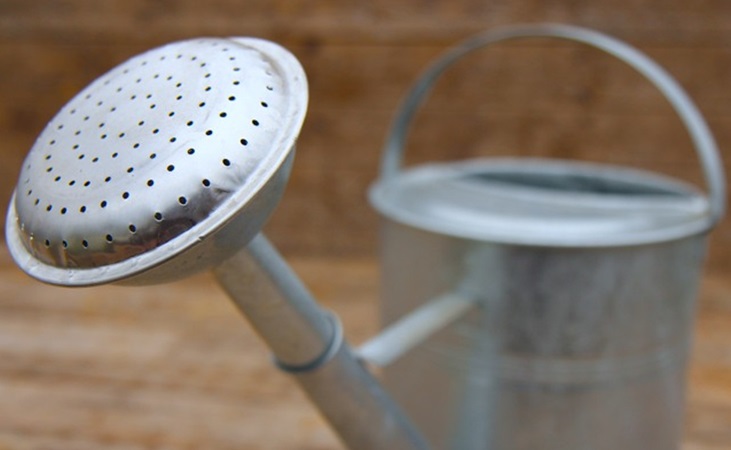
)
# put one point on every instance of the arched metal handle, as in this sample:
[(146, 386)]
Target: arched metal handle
[(703, 140)]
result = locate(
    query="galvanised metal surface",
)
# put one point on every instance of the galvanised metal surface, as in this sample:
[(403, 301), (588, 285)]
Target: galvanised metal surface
[(171, 163), (534, 201), (582, 278), (164, 147), (567, 349)]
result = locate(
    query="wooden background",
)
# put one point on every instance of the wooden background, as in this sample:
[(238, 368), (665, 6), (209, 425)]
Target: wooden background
[(158, 368), (532, 98)]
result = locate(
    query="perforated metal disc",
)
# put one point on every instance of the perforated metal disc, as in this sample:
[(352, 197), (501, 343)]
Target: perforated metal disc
[(153, 149)]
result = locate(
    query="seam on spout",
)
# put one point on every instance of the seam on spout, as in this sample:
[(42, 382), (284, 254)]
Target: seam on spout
[(333, 347)]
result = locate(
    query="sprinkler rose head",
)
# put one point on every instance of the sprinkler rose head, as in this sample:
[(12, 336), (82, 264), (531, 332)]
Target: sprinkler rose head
[(166, 165), (171, 163)]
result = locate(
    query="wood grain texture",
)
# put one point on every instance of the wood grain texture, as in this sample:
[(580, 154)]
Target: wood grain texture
[(536, 98), (176, 367)]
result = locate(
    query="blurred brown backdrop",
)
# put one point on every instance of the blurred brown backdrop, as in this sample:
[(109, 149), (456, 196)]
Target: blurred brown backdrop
[(532, 98), (153, 368)]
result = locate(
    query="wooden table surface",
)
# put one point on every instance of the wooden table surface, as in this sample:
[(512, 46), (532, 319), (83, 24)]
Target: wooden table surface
[(176, 367)]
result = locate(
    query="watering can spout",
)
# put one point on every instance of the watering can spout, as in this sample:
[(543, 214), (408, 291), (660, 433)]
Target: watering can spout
[(308, 343), (144, 178)]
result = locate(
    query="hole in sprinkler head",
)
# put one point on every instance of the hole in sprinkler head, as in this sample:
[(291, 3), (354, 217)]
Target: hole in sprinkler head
[(132, 228), (125, 195), (82, 209), (150, 183), (182, 200), (226, 162), (191, 151), (158, 216), (206, 182), (109, 238), (244, 142), (85, 243), (103, 204), (170, 168), (65, 244)]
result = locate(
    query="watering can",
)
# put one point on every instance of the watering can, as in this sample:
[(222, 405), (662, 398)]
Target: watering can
[(172, 162), (568, 288)]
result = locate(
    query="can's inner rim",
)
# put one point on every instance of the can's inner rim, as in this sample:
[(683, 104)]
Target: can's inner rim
[(544, 202), (572, 183)]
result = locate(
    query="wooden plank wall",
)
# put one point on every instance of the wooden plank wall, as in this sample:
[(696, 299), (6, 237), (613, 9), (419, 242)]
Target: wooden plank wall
[(534, 98)]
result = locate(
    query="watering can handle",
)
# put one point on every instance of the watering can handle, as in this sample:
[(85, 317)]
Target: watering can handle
[(700, 134)]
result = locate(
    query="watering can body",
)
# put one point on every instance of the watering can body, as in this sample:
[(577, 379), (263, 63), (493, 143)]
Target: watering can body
[(583, 279), (569, 347)]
